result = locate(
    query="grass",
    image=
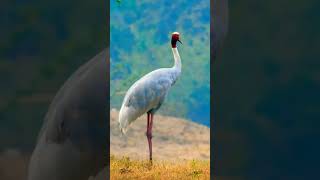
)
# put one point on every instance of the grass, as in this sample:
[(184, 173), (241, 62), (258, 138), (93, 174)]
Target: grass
[(126, 168)]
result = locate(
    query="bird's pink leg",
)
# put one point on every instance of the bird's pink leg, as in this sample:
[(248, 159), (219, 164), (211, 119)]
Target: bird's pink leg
[(149, 134), (150, 126)]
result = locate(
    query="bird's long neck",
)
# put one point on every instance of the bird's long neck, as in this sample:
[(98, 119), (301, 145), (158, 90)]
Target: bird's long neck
[(177, 60)]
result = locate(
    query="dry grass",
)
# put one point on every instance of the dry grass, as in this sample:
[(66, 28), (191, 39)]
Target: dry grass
[(125, 168)]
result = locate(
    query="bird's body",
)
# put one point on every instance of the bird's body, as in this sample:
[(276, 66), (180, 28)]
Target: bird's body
[(72, 142), (148, 93)]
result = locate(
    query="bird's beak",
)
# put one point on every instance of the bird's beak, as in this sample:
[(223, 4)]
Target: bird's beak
[(179, 41)]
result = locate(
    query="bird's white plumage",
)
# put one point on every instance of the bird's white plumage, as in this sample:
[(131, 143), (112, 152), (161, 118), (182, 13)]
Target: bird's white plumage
[(148, 93)]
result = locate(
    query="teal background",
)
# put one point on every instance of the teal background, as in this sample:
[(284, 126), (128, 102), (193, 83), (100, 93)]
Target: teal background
[(266, 92), (140, 33), (41, 44)]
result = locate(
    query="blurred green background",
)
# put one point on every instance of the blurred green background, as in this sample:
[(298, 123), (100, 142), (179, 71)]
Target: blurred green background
[(266, 91), (140, 34), (41, 44)]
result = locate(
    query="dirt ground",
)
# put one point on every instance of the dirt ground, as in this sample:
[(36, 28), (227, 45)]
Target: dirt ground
[(173, 139)]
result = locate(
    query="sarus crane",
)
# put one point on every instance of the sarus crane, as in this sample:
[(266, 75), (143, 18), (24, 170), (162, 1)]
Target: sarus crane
[(148, 93)]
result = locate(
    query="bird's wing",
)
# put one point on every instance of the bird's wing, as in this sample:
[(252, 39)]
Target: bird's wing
[(150, 91), (97, 67), (75, 127)]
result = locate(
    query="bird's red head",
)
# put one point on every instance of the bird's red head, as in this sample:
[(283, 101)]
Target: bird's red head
[(174, 38)]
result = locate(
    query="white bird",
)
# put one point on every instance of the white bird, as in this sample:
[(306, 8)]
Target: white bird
[(148, 93), (72, 142)]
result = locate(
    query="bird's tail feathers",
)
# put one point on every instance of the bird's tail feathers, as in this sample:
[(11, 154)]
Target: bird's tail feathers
[(123, 127), (123, 130), (123, 121)]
